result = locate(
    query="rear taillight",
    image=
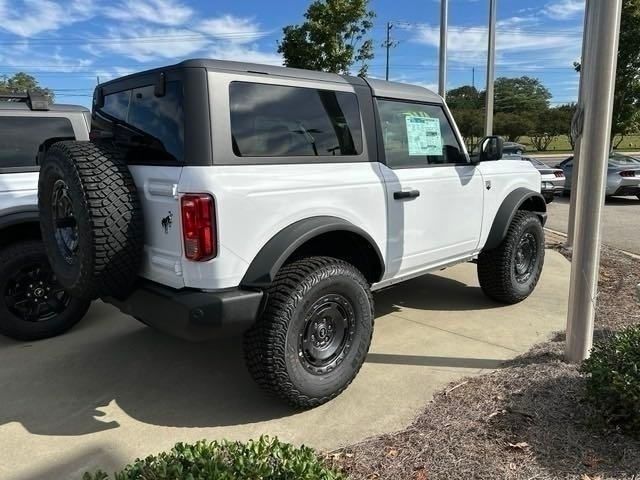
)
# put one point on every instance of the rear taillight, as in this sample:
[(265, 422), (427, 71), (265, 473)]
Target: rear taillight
[(199, 227), (559, 174), (628, 173)]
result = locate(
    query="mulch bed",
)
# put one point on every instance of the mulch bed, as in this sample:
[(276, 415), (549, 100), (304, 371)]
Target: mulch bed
[(523, 421)]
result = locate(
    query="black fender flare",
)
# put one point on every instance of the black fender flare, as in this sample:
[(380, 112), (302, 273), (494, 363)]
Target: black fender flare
[(264, 267), (510, 205)]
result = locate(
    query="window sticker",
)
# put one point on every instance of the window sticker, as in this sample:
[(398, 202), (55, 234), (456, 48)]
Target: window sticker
[(423, 135)]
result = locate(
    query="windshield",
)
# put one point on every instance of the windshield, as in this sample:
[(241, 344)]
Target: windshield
[(619, 159)]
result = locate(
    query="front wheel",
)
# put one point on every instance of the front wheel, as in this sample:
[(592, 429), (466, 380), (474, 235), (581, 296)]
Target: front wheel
[(510, 272), (315, 332), (33, 305)]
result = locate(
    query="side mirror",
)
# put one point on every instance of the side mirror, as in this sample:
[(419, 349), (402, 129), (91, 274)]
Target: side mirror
[(490, 148)]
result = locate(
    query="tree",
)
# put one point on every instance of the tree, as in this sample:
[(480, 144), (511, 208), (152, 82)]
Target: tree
[(470, 124), (564, 118), (513, 125), (626, 100), (518, 95), (21, 83), (332, 37), (549, 124), (465, 98)]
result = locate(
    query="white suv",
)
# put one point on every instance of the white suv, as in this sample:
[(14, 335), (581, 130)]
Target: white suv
[(33, 305), (221, 197)]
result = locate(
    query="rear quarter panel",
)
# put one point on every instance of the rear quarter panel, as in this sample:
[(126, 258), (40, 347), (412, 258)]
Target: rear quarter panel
[(255, 202)]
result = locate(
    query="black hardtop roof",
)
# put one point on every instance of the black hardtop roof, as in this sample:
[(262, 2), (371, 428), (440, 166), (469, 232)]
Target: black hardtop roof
[(379, 87)]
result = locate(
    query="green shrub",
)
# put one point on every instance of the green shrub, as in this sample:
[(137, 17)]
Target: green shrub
[(263, 459), (613, 379)]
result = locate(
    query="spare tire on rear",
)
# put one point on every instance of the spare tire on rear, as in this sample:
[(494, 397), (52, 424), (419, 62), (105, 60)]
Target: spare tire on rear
[(90, 218)]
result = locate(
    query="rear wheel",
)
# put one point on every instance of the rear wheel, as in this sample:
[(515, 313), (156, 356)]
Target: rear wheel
[(510, 272), (33, 304), (315, 332)]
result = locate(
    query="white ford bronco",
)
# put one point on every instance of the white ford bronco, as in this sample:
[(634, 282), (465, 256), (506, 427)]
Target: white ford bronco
[(33, 305), (221, 197)]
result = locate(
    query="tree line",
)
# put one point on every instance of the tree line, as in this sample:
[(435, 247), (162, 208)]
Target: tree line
[(521, 108)]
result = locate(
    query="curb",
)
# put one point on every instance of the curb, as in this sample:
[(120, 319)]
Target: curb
[(629, 254)]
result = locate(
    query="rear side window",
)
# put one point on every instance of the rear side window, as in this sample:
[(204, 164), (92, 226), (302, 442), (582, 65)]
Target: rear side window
[(116, 105), (21, 138), (281, 121), (151, 128), (417, 135)]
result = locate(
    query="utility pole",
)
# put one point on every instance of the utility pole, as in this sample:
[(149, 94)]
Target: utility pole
[(442, 79), (491, 61), (599, 83), (576, 132), (473, 77), (388, 45)]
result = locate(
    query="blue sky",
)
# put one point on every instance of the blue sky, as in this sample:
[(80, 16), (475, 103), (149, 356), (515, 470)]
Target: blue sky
[(66, 44)]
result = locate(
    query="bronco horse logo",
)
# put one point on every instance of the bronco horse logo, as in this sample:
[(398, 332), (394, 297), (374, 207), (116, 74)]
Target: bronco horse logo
[(167, 222)]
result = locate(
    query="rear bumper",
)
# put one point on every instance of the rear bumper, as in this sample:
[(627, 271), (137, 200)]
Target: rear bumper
[(192, 314)]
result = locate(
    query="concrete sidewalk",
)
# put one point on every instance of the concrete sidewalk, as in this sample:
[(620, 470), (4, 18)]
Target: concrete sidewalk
[(112, 389)]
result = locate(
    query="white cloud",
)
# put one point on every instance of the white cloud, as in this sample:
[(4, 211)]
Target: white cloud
[(146, 44), (231, 28), (162, 12), (31, 17), (244, 53), (564, 9), (468, 45)]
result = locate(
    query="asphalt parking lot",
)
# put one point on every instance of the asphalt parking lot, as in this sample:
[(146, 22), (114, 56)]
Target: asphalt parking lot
[(112, 390), (620, 221)]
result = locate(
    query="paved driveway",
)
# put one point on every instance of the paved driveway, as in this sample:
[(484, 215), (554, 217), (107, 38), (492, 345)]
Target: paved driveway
[(112, 389), (620, 221)]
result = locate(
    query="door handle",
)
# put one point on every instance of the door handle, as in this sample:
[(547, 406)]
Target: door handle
[(406, 194)]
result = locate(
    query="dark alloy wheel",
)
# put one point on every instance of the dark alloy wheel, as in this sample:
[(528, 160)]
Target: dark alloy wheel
[(33, 304), (510, 272), (315, 331), (32, 293)]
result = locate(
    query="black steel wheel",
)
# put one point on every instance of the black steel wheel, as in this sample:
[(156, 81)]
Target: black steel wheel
[(526, 257), (315, 332), (327, 336), (33, 304)]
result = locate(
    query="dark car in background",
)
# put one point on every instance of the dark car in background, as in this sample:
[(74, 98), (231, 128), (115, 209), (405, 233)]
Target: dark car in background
[(623, 175), (513, 148)]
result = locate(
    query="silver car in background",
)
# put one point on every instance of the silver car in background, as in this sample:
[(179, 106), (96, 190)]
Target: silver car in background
[(623, 175), (552, 179)]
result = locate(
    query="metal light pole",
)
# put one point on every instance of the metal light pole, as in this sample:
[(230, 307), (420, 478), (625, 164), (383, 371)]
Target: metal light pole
[(388, 45), (576, 129), (442, 79), (599, 81), (491, 61)]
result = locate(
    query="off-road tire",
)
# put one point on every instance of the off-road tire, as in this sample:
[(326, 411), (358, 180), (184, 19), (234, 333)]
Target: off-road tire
[(107, 214), (18, 256), (272, 345), (496, 267)]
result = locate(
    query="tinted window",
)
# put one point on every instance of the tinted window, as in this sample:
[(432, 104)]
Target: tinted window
[(150, 128), (160, 118), (20, 138), (417, 135), (117, 105), (279, 121)]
